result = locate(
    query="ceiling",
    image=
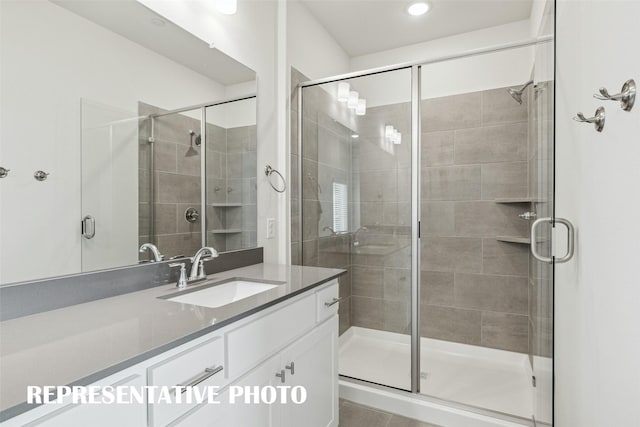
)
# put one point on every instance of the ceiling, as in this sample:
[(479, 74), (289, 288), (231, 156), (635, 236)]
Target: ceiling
[(367, 26), (134, 21)]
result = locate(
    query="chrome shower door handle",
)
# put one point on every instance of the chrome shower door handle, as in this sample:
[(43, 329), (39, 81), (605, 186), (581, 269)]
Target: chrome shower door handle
[(88, 227), (570, 240)]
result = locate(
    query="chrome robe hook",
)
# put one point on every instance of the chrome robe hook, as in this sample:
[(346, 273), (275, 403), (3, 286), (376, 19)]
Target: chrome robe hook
[(627, 95), (597, 120)]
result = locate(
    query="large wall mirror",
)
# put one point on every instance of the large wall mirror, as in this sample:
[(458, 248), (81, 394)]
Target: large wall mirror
[(142, 132)]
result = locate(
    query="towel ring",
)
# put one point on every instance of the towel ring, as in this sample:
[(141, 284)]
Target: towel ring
[(268, 171)]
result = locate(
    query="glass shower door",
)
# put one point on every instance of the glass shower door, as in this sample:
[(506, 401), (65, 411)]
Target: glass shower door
[(109, 201), (486, 172), (355, 189)]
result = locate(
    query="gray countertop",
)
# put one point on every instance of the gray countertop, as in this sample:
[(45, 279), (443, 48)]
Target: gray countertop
[(80, 344)]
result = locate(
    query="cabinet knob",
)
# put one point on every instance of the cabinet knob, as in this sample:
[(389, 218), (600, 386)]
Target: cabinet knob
[(281, 375)]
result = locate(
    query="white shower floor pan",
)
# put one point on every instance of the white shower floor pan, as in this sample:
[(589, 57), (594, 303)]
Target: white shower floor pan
[(486, 378)]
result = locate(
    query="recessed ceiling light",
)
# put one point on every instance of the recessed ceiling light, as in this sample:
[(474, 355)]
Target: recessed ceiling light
[(355, 136), (417, 9), (228, 7)]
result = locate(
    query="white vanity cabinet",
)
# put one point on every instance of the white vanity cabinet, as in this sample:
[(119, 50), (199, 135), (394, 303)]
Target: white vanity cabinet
[(296, 339), (310, 362), (314, 360), (103, 415)]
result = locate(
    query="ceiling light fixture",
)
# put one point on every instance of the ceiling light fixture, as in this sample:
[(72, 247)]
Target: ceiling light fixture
[(343, 91), (397, 137), (388, 131), (417, 9), (392, 135), (361, 108), (228, 7), (355, 136), (352, 102)]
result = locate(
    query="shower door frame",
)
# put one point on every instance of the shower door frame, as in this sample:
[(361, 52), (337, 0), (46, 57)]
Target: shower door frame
[(416, 143)]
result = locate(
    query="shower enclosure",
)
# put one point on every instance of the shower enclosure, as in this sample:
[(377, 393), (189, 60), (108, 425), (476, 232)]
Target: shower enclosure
[(423, 182), (198, 177), (196, 173)]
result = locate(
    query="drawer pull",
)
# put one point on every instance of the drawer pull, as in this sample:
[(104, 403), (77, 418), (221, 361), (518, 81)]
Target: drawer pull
[(291, 367), (281, 375), (335, 301), (208, 373)]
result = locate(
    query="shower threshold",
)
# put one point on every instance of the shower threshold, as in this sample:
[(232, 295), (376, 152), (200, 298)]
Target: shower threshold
[(491, 379)]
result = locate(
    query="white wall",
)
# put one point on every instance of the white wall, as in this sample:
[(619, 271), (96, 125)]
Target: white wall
[(597, 324), (501, 69), (251, 36), (45, 73), (310, 48)]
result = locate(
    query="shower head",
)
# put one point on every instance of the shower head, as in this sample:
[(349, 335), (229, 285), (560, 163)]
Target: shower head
[(191, 152), (517, 93)]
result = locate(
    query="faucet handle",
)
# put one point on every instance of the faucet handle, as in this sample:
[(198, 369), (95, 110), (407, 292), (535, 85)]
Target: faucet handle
[(182, 280), (201, 272)]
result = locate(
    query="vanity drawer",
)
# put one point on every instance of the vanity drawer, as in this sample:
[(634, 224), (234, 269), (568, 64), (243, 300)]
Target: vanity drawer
[(199, 365), (253, 342), (327, 301)]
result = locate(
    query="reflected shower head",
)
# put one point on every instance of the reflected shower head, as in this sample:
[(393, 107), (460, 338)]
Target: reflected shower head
[(191, 152), (517, 93)]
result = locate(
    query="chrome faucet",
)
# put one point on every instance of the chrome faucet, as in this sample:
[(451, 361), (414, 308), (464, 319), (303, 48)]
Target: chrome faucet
[(197, 263), (355, 235), (157, 256)]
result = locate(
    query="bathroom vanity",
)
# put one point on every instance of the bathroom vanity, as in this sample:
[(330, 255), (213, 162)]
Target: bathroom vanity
[(285, 335)]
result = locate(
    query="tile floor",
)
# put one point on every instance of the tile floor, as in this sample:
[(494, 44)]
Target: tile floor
[(354, 415)]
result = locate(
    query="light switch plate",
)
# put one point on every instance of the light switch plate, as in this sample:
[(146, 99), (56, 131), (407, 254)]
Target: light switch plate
[(271, 228)]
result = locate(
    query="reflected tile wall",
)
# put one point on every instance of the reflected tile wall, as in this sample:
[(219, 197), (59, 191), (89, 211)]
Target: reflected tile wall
[(177, 182), (231, 179)]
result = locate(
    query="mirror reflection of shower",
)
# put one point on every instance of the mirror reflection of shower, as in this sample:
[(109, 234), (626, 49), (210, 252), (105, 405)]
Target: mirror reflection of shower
[(517, 93)]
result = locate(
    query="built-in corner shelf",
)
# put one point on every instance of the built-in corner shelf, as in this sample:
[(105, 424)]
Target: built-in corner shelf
[(513, 239), (226, 231), (226, 205), (517, 200)]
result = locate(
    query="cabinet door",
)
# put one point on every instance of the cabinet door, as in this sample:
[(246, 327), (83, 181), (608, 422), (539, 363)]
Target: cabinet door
[(98, 415), (315, 367), (239, 413)]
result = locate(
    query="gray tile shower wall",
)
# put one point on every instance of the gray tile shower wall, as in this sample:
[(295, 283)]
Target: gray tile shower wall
[(176, 177), (231, 184), (474, 150), (231, 189), (475, 287)]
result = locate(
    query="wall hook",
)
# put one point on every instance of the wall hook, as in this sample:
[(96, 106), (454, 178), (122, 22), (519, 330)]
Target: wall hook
[(597, 120), (627, 95), (41, 175), (4, 172)]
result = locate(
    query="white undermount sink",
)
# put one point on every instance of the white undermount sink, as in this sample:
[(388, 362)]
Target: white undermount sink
[(223, 294)]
